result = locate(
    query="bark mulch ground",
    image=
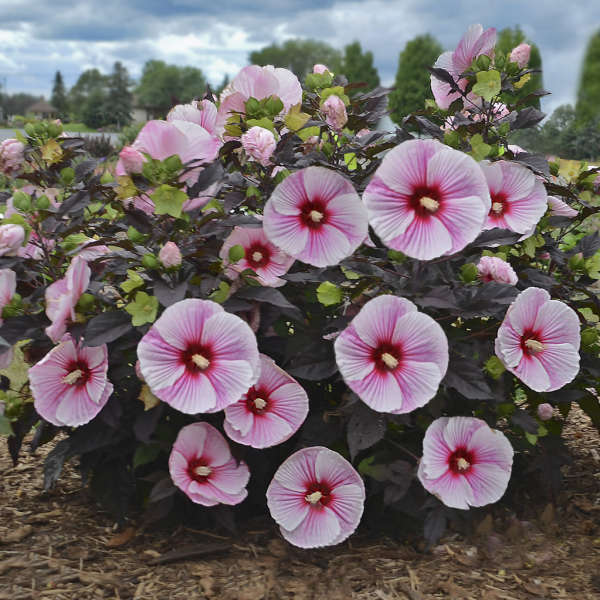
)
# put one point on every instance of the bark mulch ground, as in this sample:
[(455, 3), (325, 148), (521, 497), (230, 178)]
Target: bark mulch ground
[(60, 546)]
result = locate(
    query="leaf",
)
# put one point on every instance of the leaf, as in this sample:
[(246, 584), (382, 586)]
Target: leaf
[(148, 398), (328, 294), (120, 539), (528, 117), (435, 525), (525, 421), (313, 370), (497, 237), (588, 246), (143, 309), (145, 454), (54, 463), (271, 296), (365, 428), (591, 406), (467, 379), (488, 84), (168, 295), (221, 294), (51, 152), (162, 489), (106, 327), (84, 169), (133, 281), (168, 200), (536, 162), (296, 119), (5, 427)]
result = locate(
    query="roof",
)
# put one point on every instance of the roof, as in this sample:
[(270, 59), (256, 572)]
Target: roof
[(41, 106)]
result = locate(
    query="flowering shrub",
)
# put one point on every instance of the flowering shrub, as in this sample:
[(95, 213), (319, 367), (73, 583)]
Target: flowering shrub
[(267, 304)]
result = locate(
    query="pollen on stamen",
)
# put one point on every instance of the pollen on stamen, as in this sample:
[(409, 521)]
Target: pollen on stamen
[(429, 203), (462, 464), (260, 403), (389, 361), (200, 361), (203, 471), (316, 216), (72, 377), (257, 256), (314, 497), (534, 346), (497, 207)]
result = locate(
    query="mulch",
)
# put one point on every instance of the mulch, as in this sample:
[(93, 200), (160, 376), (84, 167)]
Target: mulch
[(61, 546)]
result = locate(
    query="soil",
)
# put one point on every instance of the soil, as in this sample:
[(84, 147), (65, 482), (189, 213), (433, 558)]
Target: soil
[(60, 546)]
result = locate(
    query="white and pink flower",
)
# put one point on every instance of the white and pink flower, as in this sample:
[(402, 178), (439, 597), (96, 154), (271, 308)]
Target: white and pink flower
[(259, 143), (131, 160), (475, 42), (8, 287), (545, 411), (70, 385), (12, 237), (199, 358), (316, 216), (539, 340), (270, 412), (559, 208), (465, 463), (427, 199), (520, 54), (260, 255), (170, 255), (320, 69), (201, 465), (392, 355), (11, 156), (63, 295), (519, 198), (201, 112), (316, 497), (334, 110), (492, 268)]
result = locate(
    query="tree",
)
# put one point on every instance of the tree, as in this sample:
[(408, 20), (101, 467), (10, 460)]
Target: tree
[(358, 67), (162, 86), (17, 104), (119, 99), (299, 56), (59, 96), (93, 112), (412, 85), (89, 82), (508, 39), (588, 94)]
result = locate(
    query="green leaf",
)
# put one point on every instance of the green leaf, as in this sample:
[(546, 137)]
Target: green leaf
[(479, 149), (328, 294), (145, 454), (134, 235), (350, 160), (220, 294), (488, 84), (236, 253), (5, 426), (143, 309), (531, 438), (263, 122), (469, 272), (350, 274), (494, 367), (168, 200), (273, 105), (483, 62), (338, 90), (253, 108), (296, 119), (67, 175), (132, 282), (315, 81), (173, 163)]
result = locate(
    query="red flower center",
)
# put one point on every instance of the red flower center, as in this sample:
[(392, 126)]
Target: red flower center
[(78, 373), (313, 213), (198, 469), (257, 400), (387, 356), (500, 205), (318, 494), (461, 461), (425, 201), (258, 255), (196, 358), (530, 342)]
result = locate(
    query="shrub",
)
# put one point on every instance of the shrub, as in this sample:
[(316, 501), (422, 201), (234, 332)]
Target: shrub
[(215, 275)]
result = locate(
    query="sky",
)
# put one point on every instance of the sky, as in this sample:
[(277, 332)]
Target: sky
[(37, 37)]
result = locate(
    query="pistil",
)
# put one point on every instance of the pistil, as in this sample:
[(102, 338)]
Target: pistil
[(72, 377), (389, 361), (429, 204), (200, 361), (316, 216), (314, 497)]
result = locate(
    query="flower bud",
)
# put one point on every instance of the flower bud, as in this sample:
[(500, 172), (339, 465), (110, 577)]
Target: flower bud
[(259, 143), (131, 159), (545, 411), (11, 156), (334, 110), (11, 239), (170, 255), (319, 68), (520, 55)]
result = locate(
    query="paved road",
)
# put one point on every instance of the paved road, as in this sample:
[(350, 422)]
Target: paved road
[(10, 133)]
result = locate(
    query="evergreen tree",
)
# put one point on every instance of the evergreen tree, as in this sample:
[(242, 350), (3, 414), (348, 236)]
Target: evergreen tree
[(299, 56), (59, 96), (93, 112), (358, 67), (89, 82), (588, 94), (508, 39), (412, 86), (119, 99)]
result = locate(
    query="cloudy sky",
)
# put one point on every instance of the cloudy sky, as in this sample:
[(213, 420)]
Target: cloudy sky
[(37, 37)]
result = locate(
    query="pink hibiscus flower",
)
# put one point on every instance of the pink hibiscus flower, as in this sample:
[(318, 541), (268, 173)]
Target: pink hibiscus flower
[(538, 341), (559, 208), (474, 43), (392, 355), (201, 465), (8, 287), (270, 412), (316, 216), (465, 463), (69, 385), (316, 497), (63, 295), (519, 198), (201, 112), (260, 255), (492, 268), (199, 358), (427, 199)]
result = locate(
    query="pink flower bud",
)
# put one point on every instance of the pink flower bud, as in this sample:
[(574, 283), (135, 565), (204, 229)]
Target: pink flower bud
[(11, 156), (334, 110), (545, 411), (492, 268), (132, 160), (170, 255), (520, 55), (320, 69), (259, 143), (11, 239)]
